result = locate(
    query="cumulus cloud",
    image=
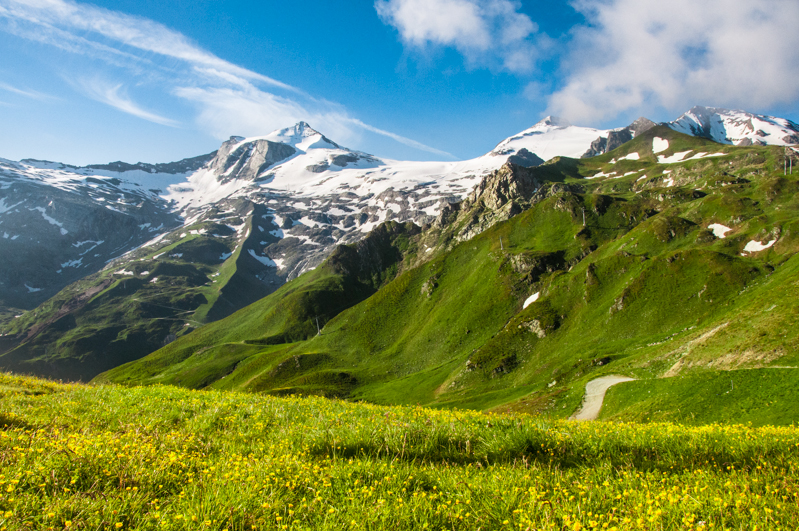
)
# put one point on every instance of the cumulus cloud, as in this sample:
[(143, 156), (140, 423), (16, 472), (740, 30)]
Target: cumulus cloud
[(229, 99), (640, 55), (485, 32)]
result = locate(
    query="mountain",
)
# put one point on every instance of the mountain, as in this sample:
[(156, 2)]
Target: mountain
[(176, 246), (189, 248), (737, 127), (664, 260), (59, 223)]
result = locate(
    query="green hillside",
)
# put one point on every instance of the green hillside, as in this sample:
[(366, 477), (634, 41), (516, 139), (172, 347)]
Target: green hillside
[(630, 280)]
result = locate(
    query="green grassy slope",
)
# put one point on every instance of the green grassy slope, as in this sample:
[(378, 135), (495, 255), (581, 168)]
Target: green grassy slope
[(642, 289), (290, 315), (760, 397), (161, 457)]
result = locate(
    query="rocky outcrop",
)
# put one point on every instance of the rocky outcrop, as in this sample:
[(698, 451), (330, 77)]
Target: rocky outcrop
[(617, 137), (247, 160), (526, 159), (499, 196)]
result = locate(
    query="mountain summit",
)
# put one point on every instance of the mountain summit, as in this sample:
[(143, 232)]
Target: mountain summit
[(740, 128)]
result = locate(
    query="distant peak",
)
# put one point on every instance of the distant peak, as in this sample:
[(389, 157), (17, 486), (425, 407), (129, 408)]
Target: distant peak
[(304, 129), (555, 121), (300, 134)]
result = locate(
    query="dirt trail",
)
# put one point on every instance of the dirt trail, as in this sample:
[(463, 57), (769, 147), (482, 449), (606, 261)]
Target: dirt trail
[(595, 395)]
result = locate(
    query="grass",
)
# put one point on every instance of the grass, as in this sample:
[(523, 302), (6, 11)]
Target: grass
[(759, 397), (167, 458)]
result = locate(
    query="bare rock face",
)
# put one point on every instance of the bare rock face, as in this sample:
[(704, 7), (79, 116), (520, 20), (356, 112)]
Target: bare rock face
[(535, 327), (531, 265), (247, 160), (526, 159), (498, 197), (429, 285), (618, 137), (510, 182)]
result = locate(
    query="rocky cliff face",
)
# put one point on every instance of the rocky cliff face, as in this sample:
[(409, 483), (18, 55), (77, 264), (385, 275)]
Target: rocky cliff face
[(617, 137), (240, 159), (498, 197)]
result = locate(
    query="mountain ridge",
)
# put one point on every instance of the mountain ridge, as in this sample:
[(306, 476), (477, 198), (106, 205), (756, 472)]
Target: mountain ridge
[(263, 216)]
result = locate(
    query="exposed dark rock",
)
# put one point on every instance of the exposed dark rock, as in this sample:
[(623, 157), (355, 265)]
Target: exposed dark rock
[(526, 159)]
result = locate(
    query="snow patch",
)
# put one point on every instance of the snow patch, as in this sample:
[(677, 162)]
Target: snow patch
[(225, 256), (680, 157), (263, 259), (659, 145), (531, 299), (719, 230), (755, 246), (73, 263), (601, 174), (51, 220), (32, 289), (5, 208), (677, 157), (631, 156)]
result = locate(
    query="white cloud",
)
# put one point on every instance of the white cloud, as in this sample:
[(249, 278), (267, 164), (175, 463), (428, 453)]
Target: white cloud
[(641, 55), (27, 93), (229, 99), (137, 32), (115, 96), (401, 139), (485, 32)]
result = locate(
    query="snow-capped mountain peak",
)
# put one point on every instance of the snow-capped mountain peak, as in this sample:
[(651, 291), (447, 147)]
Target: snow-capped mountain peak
[(551, 121), (736, 127), (300, 136), (551, 137)]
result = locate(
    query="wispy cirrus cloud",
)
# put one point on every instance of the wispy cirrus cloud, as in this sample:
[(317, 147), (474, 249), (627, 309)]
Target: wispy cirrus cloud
[(116, 96), (401, 139), (146, 55), (489, 33), (32, 94)]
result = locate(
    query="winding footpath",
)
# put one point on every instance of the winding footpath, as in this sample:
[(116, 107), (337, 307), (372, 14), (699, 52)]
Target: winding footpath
[(595, 395)]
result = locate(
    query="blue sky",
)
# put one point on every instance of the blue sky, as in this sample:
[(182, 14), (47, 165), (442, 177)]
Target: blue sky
[(419, 79)]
